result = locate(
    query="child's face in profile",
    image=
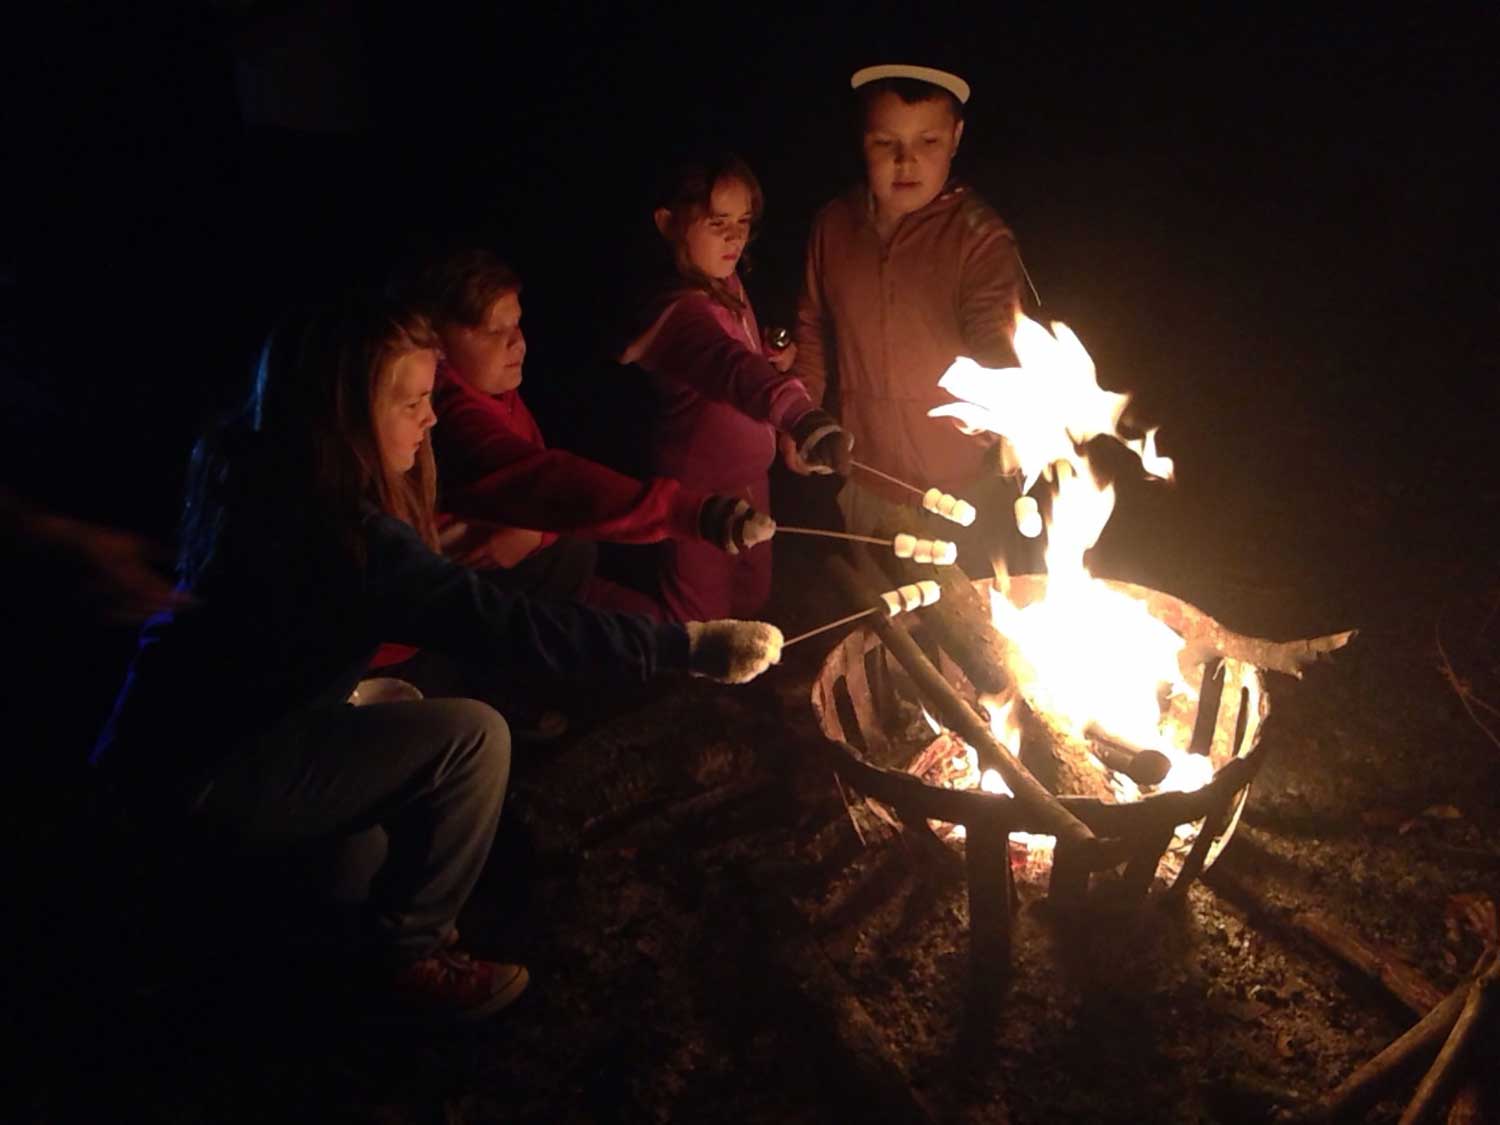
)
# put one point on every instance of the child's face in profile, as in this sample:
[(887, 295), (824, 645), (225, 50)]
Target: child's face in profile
[(908, 151), (489, 354), (403, 409), (716, 238)]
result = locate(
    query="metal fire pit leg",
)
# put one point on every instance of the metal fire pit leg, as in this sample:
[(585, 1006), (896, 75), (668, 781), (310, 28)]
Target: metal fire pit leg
[(987, 860), (1069, 883)]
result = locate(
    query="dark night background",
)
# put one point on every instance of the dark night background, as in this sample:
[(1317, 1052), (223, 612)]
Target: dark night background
[(1276, 230)]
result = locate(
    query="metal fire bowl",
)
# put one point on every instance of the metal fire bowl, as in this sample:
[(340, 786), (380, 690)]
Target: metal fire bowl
[(855, 698)]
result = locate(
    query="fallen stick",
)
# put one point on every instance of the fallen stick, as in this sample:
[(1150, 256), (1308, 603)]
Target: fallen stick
[(1378, 962), (1444, 1075), (1376, 1078)]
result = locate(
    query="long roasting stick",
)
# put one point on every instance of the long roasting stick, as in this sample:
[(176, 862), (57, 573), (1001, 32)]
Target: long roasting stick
[(901, 599), (874, 472), (784, 529), (905, 546), (935, 500)]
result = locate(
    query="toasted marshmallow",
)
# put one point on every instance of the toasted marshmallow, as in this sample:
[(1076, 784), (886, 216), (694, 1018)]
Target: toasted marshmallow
[(1028, 518)]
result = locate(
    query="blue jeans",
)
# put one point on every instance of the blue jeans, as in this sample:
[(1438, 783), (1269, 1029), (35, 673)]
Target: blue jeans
[(409, 792)]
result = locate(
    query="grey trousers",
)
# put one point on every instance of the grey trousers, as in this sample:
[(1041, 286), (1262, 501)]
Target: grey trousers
[(395, 802)]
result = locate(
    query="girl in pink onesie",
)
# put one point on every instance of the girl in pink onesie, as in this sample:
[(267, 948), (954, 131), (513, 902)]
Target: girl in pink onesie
[(722, 394)]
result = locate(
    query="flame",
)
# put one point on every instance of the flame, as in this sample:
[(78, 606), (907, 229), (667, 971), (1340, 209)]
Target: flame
[(1094, 659)]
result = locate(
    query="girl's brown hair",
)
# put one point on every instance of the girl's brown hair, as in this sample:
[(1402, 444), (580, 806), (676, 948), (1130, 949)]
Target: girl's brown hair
[(687, 193), (305, 441)]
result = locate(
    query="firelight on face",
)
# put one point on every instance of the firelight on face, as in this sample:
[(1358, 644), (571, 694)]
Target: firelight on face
[(715, 240), (403, 409), (490, 354), (909, 148)]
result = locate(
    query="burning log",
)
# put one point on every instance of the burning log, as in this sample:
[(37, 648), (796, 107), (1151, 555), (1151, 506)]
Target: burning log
[(951, 709), (1144, 767)]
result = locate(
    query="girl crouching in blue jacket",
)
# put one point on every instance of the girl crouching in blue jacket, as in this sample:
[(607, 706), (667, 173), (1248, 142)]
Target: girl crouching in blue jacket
[(308, 540)]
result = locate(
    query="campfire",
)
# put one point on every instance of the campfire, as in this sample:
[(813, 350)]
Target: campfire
[(1058, 726)]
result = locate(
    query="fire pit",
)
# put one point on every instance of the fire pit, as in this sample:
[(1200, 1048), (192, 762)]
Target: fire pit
[(871, 685)]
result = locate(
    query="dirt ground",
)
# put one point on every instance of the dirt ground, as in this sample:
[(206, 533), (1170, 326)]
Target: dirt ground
[(710, 940)]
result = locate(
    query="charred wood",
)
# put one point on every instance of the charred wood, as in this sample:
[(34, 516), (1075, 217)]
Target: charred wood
[(1040, 805)]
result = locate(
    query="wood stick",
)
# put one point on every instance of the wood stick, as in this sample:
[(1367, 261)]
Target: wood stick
[(951, 710), (887, 476), (1443, 1076), (786, 644), (1378, 962), (785, 529), (1372, 1081)]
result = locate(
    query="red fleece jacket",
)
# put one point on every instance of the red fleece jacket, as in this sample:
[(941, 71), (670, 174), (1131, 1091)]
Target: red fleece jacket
[(495, 468)]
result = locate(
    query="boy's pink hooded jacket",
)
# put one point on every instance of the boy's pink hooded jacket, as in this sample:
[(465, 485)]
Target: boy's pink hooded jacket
[(879, 324)]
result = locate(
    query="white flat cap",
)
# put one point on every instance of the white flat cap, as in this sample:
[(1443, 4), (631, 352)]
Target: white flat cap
[(950, 82)]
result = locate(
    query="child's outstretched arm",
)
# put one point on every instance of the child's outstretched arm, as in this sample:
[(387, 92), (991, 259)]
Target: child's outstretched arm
[(494, 476), (688, 344), (990, 295)]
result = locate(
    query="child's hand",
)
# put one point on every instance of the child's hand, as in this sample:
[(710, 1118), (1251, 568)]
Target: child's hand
[(732, 652), (790, 458), (823, 446), (487, 548), (733, 525), (783, 358)]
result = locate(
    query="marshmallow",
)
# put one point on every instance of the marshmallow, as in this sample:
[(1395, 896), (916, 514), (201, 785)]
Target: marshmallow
[(911, 597), (948, 506), (930, 590), (1028, 519), (923, 551), (904, 545), (944, 553), (892, 599)]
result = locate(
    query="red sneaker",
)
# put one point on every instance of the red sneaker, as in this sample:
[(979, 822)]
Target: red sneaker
[(452, 985)]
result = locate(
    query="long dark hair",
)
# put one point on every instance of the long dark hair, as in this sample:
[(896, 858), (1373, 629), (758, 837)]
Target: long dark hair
[(303, 445), (686, 191)]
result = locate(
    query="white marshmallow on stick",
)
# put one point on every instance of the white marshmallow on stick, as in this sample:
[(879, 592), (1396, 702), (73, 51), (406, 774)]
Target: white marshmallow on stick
[(900, 600), (1028, 517), (937, 551), (948, 506), (910, 597)]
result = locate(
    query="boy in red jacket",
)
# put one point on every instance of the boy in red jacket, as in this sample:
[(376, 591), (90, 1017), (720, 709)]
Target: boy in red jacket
[(526, 515), (904, 273)]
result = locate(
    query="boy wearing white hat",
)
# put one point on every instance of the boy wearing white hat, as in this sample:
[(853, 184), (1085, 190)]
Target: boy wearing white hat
[(903, 274)]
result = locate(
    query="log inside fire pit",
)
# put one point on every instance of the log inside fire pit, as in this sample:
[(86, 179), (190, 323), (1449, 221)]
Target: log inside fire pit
[(864, 697)]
